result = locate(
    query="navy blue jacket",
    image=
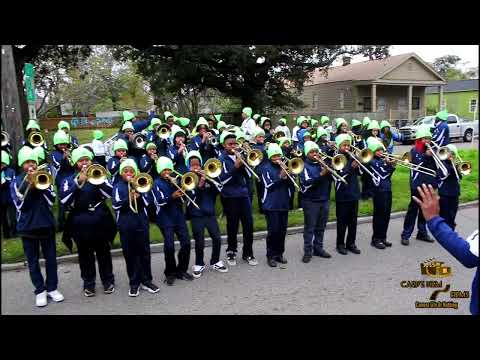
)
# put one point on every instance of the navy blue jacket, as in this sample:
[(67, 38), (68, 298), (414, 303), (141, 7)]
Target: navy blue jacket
[(113, 167), (459, 248), (8, 175), (206, 150), (235, 181), (61, 168), (276, 191), (449, 185), (177, 159), (441, 134), (205, 198), (126, 219), (383, 171), (313, 186), (351, 191), (169, 210), (147, 165), (417, 178), (34, 211)]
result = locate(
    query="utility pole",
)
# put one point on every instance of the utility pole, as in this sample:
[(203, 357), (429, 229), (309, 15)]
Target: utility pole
[(11, 113)]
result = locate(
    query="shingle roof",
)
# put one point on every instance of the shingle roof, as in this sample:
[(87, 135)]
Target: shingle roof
[(455, 85)]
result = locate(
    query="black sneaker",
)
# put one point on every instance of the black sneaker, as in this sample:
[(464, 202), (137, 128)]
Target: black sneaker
[(250, 260), (377, 244), (133, 292), (306, 258), (232, 258), (386, 243), (89, 292), (109, 289), (353, 248), (280, 259), (150, 287), (425, 238), (170, 280), (184, 276), (405, 242), (342, 250), (271, 262), (322, 253)]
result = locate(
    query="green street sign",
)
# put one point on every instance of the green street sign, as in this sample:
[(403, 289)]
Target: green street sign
[(29, 73), (28, 70)]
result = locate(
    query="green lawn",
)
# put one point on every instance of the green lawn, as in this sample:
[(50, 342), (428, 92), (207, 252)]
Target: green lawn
[(12, 250)]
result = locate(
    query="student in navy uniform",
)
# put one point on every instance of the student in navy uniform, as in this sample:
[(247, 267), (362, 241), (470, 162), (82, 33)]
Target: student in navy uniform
[(372, 132), (286, 148), (237, 205), (151, 133), (201, 141), (323, 142), (420, 156), (441, 132), (366, 121), (449, 188), (266, 125), (65, 127), (171, 221), (33, 126), (258, 137), (388, 137), (98, 148), (148, 161), (315, 182), (205, 196), (381, 194), (90, 223), (346, 198), (133, 151), (275, 199), (138, 125), (9, 222), (356, 127), (303, 136), (36, 226), (61, 167), (178, 151), (134, 231), (120, 149)]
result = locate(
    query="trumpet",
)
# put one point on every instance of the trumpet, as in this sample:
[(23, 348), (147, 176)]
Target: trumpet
[(5, 138), (293, 166), (338, 161), (189, 182), (142, 183), (212, 140), (36, 139), (405, 160), (212, 169), (42, 180)]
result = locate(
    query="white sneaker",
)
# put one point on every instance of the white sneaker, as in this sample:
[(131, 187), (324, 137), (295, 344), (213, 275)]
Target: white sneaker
[(220, 267), (56, 296), (232, 259), (41, 299), (198, 270), (251, 260)]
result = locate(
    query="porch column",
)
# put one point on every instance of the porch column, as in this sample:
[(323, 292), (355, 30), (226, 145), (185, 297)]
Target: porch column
[(374, 97), (410, 90), (440, 98)]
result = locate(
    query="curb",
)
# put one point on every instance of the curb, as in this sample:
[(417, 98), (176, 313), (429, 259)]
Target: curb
[(259, 235)]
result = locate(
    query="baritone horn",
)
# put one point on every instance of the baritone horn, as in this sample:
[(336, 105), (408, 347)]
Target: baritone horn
[(189, 182), (163, 131)]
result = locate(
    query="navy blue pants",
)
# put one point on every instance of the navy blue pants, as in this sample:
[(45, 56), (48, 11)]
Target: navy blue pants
[(31, 247), (277, 223), (448, 210), (367, 186), (259, 190), (136, 251), (9, 221), (346, 219), (199, 224), (409, 222), (171, 267), (315, 217), (239, 210), (382, 207)]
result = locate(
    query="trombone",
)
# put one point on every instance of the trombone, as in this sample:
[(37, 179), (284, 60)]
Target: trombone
[(36, 139), (460, 166), (338, 161), (96, 174), (356, 137), (364, 156), (294, 166), (42, 180), (254, 157), (189, 182), (438, 157), (212, 169), (405, 160), (142, 183)]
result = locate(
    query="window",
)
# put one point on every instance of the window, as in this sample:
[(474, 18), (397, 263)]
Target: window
[(473, 105), (451, 119), (415, 103), (381, 104), (367, 104), (341, 99)]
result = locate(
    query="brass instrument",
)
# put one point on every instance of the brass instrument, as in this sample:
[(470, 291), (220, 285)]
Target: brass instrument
[(463, 167), (5, 138), (163, 131), (189, 182), (42, 180), (212, 169), (212, 140), (338, 162), (71, 145), (297, 153), (139, 140), (69, 156), (293, 166), (365, 155), (405, 160), (278, 135), (96, 174), (36, 138), (438, 157), (254, 157), (356, 137), (142, 183), (362, 157)]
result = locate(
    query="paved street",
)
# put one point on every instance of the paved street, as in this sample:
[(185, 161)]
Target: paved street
[(354, 284)]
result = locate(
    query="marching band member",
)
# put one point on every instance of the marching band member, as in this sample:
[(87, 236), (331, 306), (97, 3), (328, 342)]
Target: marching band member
[(133, 229), (257, 118), (266, 125), (284, 144), (302, 123), (151, 133), (381, 193), (315, 183), (138, 125), (346, 198), (259, 144), (32, 126), (282, 126), (366, 121), (205, 196), (325, 123), (372, 132), (201, 141), (171, 221), (237, 205), (65, 126), (36, 226), (149, 160), (39, 151), (128, 137), (90, 223), (98, 148), (9, 222), (341, 126), (275, 199), (388, 137), (221, 125), (356, 127), (449, 188), (248, 124), (120, 149), (178, 151), (420, 156), (441, 132)]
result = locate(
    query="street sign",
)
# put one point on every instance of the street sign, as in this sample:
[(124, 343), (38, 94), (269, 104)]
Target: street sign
[(29, 75)]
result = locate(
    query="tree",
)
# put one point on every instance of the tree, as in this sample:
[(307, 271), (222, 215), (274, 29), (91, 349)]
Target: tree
[(258, 75), (448, 67)]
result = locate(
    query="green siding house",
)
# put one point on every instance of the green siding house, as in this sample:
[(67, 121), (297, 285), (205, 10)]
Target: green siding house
[(460, 97)]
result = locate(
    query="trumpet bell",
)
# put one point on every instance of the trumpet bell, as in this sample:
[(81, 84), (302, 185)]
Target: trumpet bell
[(42, 180), (213, 168), (142, 183), (254, 157), (139, 140), (96, 174), (189, 181), (365, 155), (5, 138), (36, 139), (443, 153), (163, 132), (339, 161), (464, 168), (295, 166)]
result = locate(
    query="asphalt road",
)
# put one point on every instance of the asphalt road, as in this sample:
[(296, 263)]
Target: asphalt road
[(353, 284)]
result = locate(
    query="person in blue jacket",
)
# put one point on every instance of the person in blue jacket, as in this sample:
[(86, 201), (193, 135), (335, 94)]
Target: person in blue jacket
[(36, 226), (200, 142), (275, 199), (171, 221), (441, 132), (388, 137), (315, 182), (120, 149), (258, 138), (32, 126), (148, 160), (381, 193), (138, 125), (177, 152), (133, 229), (204, 195), (9, 222), (465, 251), (65, 127), (128, 135), (236, 202), (346, 198)]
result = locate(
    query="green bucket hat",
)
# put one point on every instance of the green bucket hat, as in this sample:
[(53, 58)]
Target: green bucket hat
[(442, 115), (453, 149), (239, 134), (24, 154), (150, 145), (6, 158), (60, 137), (178, 132), (256, 116), (120, 144), (183, 121), (324, 120), (193, 153), (129, 163), (301, 119), (366, 121), (247, 111), (373, 125), (79, 153), (282, 140), (163, 163), (97, 134), (225, 134), (321, 132), (374, 144), (63, 124), (423, 131), (307, 133), (282, 121), (384, 124), (339, 122), (218, 116), (258, 132), (39, 152), (313, 122), (273, 149), (342, 138), (32, 124), (167, 114), (356, 122), (309, 146), (127, 125), (201, 121), (153, 122), (128, 115), (221, 125)]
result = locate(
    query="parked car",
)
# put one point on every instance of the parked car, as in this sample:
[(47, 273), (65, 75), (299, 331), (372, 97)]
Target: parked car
[(459, 128)]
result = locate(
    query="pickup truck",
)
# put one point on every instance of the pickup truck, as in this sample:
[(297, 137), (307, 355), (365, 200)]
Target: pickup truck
[(459, 128)]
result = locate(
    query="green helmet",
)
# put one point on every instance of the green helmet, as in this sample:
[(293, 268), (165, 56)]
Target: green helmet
[(320, 132), (282, 121), (374, 144), (201, 121), (309, 146), (373, 125), (247, 111), (32, 124), (150, 145), (258, 131), (195, 154), (384, 124), (324, 120), (60, 137), (6, 158), (167, 114), (120, 144), (339, 122), (97, 134), (26, 153), (79, 153), (423, 131), (342, 138), (442, 115), (129, 163), (163, 163), (239, 134), (221, 125), (224, 135), (282, 140), (128, 115), (273, 149), (356, 122), (63, 124), (153, 122), (39, 152), (307, 133), (366, 121), (127, 125), (453, 149)]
